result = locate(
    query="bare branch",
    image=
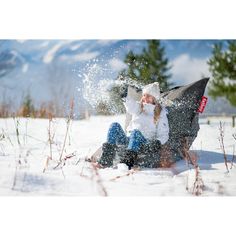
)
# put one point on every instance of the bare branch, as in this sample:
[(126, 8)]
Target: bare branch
[(191, 158), (232, 161), (222, 146), (131, 172), (234, 136), (99, 180), (67, 127), (63, 160), (198, 185)]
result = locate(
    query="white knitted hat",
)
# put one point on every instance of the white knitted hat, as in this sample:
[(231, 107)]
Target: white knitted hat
[(152, 89)]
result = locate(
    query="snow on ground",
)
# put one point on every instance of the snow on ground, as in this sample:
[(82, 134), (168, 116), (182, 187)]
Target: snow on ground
[(21, 165)]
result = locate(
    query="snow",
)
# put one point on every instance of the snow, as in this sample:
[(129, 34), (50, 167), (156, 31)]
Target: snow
[(21, 166), (117, 64)]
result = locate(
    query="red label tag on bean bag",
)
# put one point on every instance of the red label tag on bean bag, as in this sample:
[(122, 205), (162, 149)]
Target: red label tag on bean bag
[(202, 104)]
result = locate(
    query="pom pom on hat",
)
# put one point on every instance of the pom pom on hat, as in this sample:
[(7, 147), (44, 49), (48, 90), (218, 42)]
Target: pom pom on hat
[(152, 89)]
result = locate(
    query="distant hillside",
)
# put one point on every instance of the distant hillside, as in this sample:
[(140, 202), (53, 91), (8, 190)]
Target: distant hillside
[(220, 106)]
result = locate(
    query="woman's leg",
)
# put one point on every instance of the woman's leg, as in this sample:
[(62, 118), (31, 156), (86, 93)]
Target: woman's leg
[(130, 157), (116, 135), (136, 140)]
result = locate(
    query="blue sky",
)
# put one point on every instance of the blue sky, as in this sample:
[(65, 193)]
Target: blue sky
[(33, 65)]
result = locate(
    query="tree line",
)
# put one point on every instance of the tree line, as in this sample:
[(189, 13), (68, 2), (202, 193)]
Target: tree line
[(151, 65)]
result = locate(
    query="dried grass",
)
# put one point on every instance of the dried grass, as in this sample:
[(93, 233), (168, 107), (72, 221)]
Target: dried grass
[(222, 146), (98, 179), (191, 159)]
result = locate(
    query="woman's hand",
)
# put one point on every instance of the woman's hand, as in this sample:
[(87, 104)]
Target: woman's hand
[(142, 100)]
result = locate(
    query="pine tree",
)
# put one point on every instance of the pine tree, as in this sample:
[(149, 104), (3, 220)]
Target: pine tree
[(222, 65), (149, 66), (27, 107)]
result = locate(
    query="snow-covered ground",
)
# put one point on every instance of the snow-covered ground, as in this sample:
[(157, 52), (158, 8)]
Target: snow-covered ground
[(21, 165)]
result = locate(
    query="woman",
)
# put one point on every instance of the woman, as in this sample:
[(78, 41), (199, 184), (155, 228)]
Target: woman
[(149, 123)]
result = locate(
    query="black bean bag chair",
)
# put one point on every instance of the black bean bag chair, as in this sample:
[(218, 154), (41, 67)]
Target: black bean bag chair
[(182, 104)]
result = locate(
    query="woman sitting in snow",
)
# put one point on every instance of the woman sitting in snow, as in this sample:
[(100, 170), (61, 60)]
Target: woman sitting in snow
[(149, 124)]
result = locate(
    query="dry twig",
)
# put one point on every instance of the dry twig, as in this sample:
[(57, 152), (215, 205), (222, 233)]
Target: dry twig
[(198, 185), (191, 158), (16, 122), (50, 141), (234, 136), (232, 161), (50, 135), (18, 162), (99, 180), (63, 160), (222, 146), (67, 128), (131, 172), (47, 163)]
